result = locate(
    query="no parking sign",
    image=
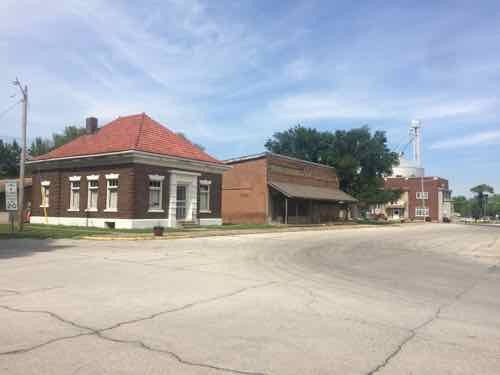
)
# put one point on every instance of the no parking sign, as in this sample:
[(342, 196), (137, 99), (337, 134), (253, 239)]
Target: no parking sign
[(11, 195)]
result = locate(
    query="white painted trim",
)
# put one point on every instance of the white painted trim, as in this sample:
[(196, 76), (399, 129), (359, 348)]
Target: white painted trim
[(90, 210), (156, 177), (100, 222), (205, 182), (45, 183), (163, 160), (75, 178), (112, 176), (174, 171), (208, 210), (110, 210), (73, 210), (93, 177), (211, 221)]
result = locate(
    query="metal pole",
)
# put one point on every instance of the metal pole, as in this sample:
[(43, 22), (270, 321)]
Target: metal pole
[(286, 210), (422, 192), (24, 92)]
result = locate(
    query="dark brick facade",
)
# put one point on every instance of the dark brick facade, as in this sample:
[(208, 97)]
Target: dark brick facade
[(133, 192)]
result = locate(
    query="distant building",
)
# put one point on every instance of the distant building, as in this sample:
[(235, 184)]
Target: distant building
[(272, 188), (433, 200), (422, 197), (130, 173)]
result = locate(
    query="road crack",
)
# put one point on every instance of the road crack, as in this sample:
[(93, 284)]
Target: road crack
[(414, 331), (176, 356), (187, 306), (99, 333)]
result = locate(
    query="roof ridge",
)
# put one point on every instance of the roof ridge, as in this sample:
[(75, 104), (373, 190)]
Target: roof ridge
[(141, 126)]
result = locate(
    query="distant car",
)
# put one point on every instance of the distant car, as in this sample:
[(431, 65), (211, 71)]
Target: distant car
[(446, 220)]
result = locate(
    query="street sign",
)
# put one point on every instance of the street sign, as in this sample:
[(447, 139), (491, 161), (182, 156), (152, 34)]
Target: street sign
[(11, 195)]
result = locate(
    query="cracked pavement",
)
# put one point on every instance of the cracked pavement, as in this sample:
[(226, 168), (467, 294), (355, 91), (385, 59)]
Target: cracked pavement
[(414, 299)]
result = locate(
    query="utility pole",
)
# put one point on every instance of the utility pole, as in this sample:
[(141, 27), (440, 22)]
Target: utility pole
[(416, 131), (24, 123)]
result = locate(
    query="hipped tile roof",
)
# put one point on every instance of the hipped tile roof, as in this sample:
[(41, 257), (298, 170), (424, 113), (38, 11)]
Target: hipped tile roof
[(136, 132)]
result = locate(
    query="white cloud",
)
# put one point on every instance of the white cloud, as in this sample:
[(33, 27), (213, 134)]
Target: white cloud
[(483, 138), (324, 105)]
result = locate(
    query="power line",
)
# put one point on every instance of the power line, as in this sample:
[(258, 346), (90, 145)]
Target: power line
[(9, 108)]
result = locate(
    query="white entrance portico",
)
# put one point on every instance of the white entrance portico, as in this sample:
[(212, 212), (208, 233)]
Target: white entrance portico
[(183, 197)]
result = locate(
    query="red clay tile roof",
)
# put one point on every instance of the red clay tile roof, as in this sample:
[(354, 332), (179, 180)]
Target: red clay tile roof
[(136, 132)]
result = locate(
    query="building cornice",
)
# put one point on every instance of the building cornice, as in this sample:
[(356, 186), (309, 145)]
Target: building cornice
[(131, 156)]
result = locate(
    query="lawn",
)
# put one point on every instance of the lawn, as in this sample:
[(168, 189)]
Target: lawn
[(62, 231)]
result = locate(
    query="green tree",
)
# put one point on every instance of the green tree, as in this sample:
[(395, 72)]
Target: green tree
[(360, 157), (10, 154), (182, 135), (41, 145), (481, 192), (69, 133), (462, 205)]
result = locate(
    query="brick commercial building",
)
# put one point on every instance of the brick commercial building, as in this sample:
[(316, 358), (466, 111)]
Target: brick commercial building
[(423, 197), (271, 188), (131, 173)]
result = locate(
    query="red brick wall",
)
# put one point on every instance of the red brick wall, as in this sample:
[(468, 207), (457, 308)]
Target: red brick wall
[(245, 192), (297, 172), (432, 185)]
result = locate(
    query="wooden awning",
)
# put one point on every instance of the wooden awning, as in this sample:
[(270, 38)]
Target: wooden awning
[(311, 192)]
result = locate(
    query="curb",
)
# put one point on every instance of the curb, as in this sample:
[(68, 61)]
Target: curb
[(225, 233)]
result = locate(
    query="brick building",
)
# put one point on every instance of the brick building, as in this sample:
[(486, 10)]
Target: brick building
[(423, 197), (130, 173), (267, 187)]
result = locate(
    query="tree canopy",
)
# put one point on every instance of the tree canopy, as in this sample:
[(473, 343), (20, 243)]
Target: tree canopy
[(42, 145), (360, 157), (473, 208), (482, 191), (10, 154)]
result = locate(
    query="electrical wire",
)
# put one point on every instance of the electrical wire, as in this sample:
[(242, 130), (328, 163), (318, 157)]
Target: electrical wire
[(9, 108)]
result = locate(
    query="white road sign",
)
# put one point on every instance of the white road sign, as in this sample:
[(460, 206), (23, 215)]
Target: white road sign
[(11, 195)]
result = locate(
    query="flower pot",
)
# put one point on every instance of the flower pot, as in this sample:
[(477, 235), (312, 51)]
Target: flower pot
[(158, 231)]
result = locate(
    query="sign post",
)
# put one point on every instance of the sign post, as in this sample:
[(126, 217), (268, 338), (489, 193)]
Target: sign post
[(11, 200)]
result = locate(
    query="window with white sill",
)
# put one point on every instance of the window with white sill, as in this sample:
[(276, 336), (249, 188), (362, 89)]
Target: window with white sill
[(74, 198), (204, 197), (92, 195), (155, 194), (112, 194)]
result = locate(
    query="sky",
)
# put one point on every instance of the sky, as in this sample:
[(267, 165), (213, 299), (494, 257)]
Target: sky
[(229, 74)]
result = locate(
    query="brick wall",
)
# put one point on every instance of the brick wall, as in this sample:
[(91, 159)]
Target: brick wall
[(432, 185), (133, 192), (245, 192), (297, 172)]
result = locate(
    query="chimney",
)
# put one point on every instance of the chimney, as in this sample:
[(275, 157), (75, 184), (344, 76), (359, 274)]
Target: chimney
[(91, 125)]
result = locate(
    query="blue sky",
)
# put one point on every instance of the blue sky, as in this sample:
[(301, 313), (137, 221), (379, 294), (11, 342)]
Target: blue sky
[(230, 73)]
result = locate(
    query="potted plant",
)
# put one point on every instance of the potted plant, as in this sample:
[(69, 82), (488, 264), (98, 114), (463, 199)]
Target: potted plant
[(158, 230)]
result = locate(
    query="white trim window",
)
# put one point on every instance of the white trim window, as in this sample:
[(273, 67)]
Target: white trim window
[(45, 194), (422, 195), (74, 197), (74, 193), (205, 196), (421, 211), (112, 193), (155, 193), (92, 193)]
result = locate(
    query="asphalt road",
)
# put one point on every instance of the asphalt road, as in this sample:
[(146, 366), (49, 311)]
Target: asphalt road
[(416, 299)]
